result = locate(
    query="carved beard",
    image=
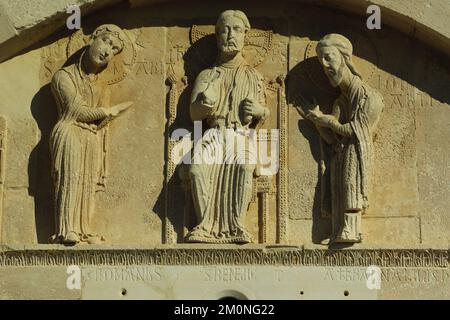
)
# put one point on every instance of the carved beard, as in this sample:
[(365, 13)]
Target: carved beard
[(335, 76), (229, 47)]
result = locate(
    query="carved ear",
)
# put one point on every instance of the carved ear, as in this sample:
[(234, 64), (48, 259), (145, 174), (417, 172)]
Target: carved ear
[(346, 59)]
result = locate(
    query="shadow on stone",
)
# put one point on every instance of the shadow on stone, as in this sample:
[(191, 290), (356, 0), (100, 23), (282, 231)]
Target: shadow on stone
[(43, 109)]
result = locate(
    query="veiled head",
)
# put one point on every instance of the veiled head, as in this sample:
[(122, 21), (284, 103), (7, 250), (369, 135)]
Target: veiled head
[(106, 42), (335, 53)]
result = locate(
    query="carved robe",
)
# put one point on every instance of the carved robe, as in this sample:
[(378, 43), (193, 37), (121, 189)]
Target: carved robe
[(78, 148), (351, 165), (222, 190)]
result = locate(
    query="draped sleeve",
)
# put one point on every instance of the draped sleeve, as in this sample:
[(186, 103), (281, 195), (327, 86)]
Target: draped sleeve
[(198, 110), (70, 104)]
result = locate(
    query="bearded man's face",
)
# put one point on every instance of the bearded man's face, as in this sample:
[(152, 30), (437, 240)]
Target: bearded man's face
[(231, 35), (333, 64)]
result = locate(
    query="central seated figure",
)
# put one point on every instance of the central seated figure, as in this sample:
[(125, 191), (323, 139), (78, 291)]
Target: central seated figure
[(230, 96)]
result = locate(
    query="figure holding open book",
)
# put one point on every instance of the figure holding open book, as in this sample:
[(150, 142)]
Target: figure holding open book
[(78, 140)]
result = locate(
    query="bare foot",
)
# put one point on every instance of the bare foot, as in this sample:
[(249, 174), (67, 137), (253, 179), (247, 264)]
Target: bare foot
[(95, 239), (71, 238)]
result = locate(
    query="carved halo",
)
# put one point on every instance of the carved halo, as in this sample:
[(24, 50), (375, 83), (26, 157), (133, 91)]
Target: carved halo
[(257, 44), (121, 64), (365, 59)]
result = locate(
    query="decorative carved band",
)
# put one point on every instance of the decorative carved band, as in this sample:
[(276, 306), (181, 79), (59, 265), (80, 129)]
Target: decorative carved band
[(197, 257), (169, 235), (2, 166), (283, 205), (169, 232)]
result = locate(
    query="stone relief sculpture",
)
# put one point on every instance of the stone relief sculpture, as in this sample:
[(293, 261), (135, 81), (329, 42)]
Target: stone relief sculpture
[(230, 96), (349, 129), (77, 142)]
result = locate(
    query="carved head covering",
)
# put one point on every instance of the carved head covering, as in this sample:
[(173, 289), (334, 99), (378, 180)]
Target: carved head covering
[(343, 45), (233, 13), (110, 29)]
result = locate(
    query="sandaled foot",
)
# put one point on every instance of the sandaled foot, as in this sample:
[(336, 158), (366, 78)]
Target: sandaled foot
[(71, 238), (326, 241), (95, 239), (54, 239)]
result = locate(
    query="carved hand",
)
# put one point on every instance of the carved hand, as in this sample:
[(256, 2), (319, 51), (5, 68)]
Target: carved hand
[(251, 109), (319, 118), (208, 97), (118, 108), (327, 120), (314, 114)]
